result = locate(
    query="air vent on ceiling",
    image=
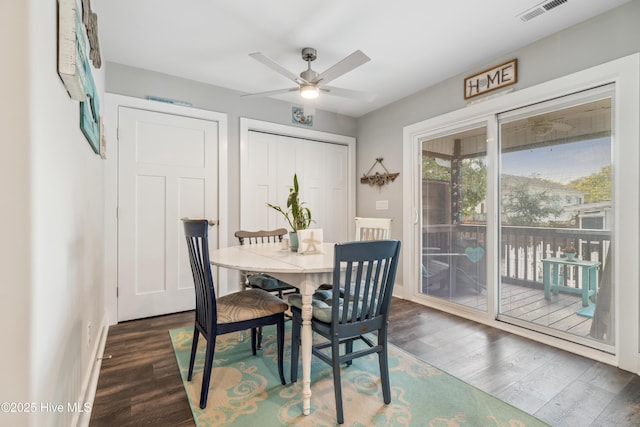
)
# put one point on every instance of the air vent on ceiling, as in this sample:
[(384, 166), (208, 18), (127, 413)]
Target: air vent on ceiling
[(539, 9), (553, 3)]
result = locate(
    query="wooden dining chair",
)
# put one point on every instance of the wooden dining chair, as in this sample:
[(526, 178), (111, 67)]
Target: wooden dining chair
[(235, 312), (261, 280), (367, 269)]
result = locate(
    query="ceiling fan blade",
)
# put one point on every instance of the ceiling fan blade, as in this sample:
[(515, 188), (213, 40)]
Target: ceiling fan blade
[(352, 61), (269, 93), (276, 67), (348, 93)]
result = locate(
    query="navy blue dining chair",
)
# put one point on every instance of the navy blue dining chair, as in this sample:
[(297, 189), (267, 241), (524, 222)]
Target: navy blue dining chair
[(235, 312), (357, 305)]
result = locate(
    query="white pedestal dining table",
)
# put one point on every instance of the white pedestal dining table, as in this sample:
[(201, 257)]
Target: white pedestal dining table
[(304, 271)]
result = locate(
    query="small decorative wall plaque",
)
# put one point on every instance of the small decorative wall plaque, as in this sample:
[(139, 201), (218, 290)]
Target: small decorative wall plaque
[(298, 117), (378, 179)]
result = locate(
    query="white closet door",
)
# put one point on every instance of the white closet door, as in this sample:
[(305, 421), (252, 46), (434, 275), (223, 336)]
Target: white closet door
[(322, 169)]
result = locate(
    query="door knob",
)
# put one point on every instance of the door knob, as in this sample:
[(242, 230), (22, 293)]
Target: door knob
[(213, 222)]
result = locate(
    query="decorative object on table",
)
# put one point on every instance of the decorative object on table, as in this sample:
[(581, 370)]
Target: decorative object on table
[(569, 251), (310, 241), (378, 179), (297, 215), (298, 117)]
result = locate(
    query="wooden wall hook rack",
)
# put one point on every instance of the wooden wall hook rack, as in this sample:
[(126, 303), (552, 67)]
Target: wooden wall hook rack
[(378, 179)]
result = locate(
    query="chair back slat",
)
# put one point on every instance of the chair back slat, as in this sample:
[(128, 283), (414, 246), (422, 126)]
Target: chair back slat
[(196, 233)]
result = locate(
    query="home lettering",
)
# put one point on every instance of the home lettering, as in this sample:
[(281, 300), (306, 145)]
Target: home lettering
[(488, 80)]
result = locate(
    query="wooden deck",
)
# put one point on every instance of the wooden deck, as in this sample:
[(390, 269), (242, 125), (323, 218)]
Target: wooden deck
[(528, 304)]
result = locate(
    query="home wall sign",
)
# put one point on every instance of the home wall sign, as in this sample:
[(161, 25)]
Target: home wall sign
[(378, 179), (498, 77)]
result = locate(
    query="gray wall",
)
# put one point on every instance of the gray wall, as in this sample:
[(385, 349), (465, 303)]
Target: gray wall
[(609, 36)]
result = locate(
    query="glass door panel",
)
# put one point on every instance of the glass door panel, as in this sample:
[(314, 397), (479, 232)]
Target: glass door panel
[(556, 213), (454, 188)]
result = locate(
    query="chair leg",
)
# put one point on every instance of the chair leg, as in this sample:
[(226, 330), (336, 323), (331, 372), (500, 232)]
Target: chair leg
[(348, 350), (280, 339), (194, 347), (208, 366), (254, 338), (296, 326), (383, 360), (259, 339), (337, 386)]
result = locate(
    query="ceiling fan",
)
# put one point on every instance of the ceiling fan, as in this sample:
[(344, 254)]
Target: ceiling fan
[(310, 82)]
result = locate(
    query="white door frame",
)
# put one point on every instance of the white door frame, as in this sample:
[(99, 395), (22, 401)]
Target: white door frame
[(112, 103), (247, 125)]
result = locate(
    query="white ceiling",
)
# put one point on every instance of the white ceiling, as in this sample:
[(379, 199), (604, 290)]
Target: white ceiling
[(412, 44)]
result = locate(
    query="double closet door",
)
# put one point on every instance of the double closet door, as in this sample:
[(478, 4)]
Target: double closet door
[(269, 162)]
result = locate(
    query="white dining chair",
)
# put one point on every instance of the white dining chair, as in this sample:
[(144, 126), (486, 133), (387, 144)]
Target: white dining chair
[(367, 229), (373, 228)]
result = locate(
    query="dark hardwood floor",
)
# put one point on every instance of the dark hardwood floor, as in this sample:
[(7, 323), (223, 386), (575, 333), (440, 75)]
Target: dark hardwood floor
[(141, 385)]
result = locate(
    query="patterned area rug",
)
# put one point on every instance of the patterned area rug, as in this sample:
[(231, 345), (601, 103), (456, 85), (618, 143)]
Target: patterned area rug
[(246, 391)]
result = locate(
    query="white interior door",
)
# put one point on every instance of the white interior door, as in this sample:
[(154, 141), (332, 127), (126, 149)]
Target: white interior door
[(167, 171)]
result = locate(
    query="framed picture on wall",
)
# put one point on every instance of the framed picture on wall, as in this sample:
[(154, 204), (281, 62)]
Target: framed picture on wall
[(90, 111)]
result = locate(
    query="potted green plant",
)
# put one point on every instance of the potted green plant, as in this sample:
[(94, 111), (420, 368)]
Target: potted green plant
[(569, 251), (297, 215)]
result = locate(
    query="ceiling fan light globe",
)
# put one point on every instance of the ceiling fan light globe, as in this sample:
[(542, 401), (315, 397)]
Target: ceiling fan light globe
[(309, 91)]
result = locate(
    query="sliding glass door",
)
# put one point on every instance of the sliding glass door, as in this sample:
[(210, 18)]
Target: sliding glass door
[(553, 202), (556, 218)]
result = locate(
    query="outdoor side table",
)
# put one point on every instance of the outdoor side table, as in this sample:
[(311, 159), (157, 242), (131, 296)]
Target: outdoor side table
[(554, 281)]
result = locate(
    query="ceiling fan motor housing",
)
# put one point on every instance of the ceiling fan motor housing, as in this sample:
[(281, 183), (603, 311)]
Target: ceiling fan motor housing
[(309, 54)]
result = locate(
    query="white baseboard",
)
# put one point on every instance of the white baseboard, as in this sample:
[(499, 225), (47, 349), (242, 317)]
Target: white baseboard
[(90, 382)]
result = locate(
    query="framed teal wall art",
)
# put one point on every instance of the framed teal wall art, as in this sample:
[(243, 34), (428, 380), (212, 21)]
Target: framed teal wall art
[(90, 111)]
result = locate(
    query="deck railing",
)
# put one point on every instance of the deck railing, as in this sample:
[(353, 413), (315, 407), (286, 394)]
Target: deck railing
[(522, 248)]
